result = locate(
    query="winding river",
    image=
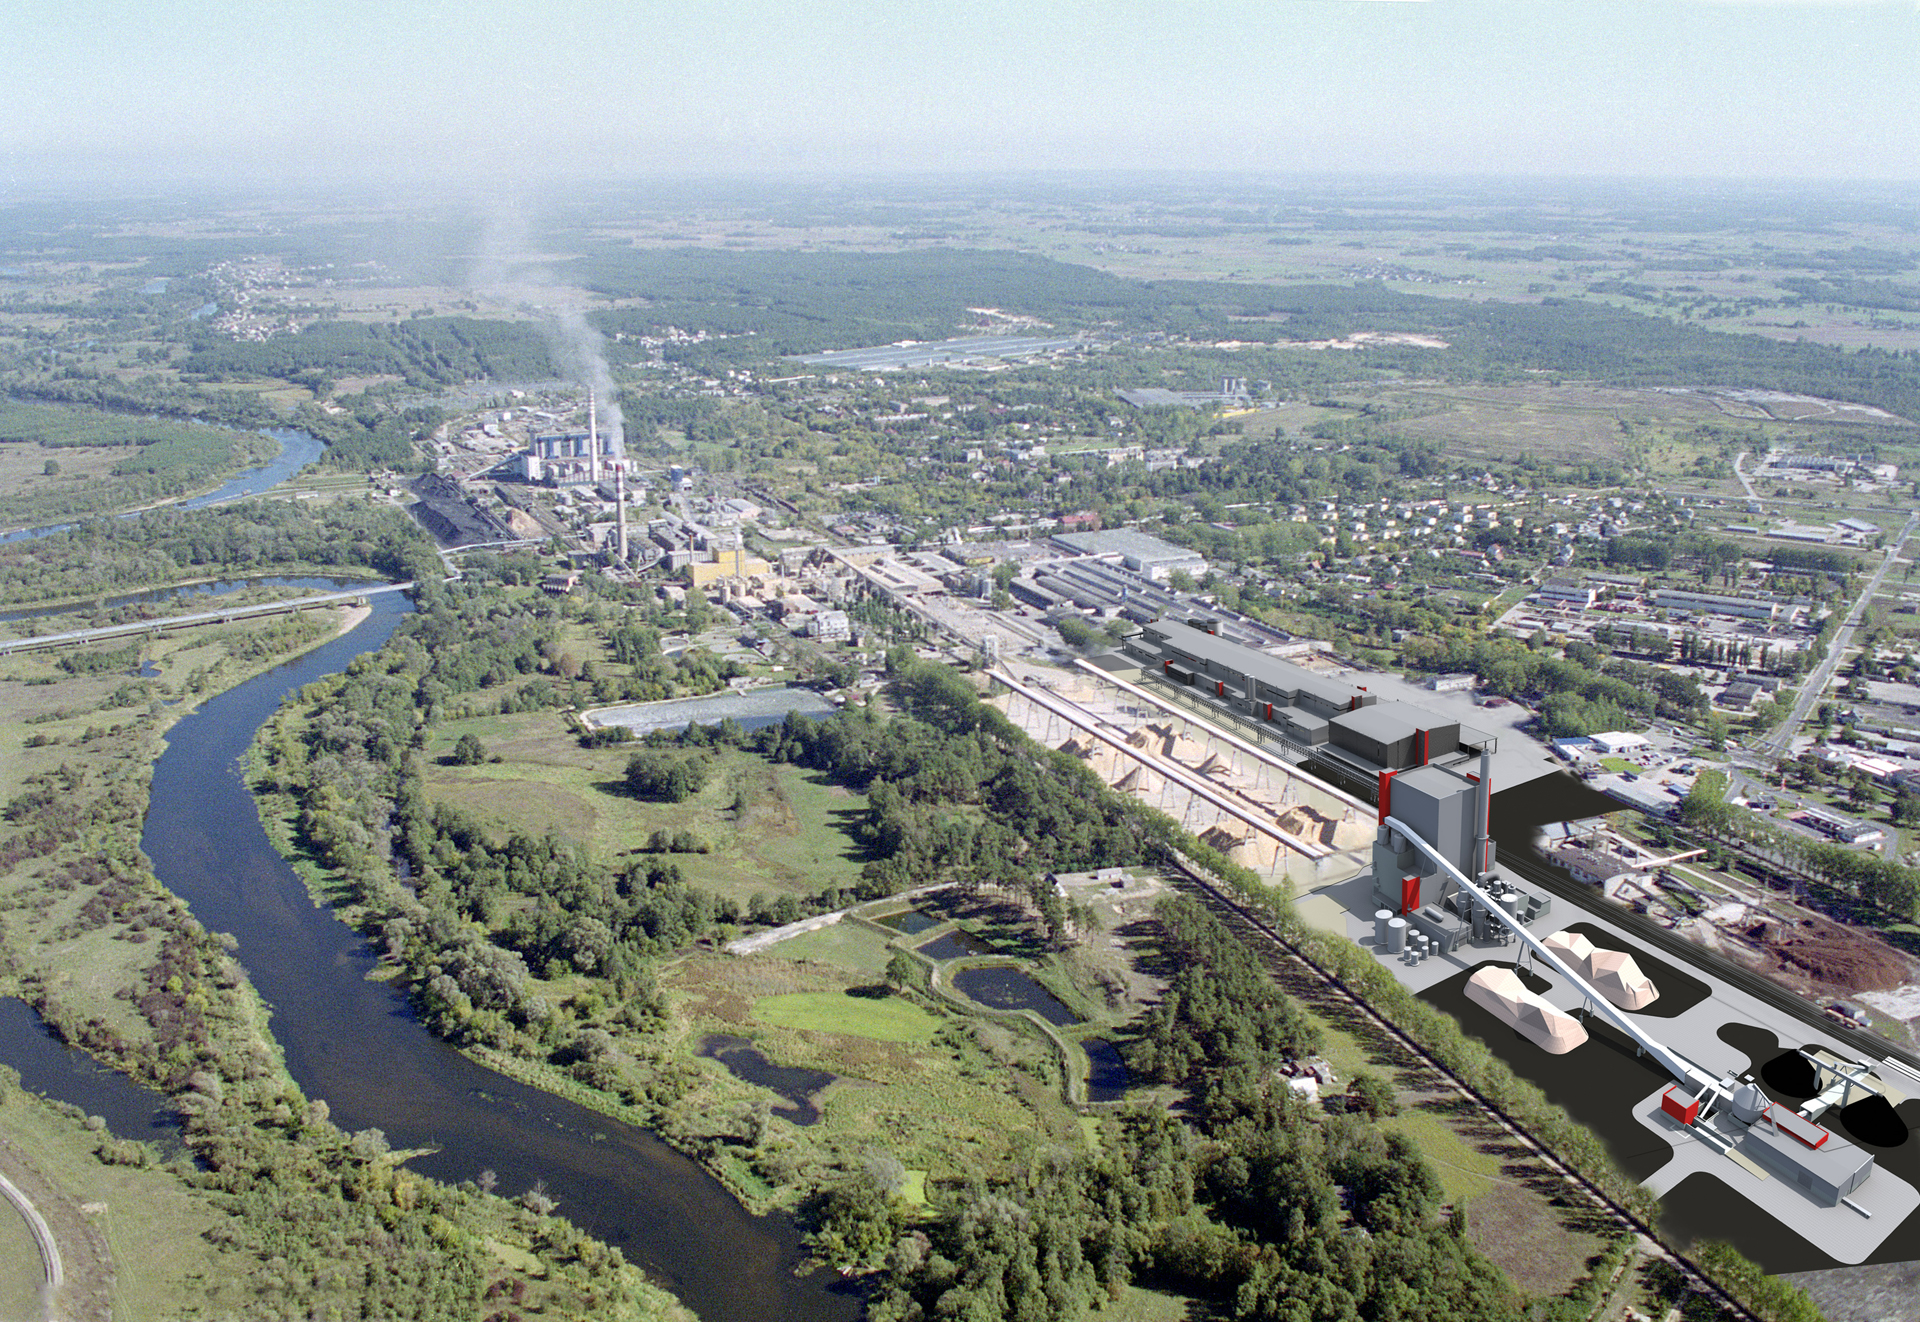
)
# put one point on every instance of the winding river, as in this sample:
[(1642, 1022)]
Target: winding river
[(357, 1044), (297, 449)]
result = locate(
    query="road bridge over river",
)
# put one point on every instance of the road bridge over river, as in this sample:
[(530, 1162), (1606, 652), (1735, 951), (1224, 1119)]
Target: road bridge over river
[(145, 628)]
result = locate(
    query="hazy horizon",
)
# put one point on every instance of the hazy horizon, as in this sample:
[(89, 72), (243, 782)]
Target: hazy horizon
[(299, 93)]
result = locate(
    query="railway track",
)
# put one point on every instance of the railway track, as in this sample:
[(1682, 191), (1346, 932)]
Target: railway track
[(1290, 962)]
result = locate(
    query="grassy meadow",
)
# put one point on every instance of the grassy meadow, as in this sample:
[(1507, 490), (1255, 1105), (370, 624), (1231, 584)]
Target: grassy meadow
[(792, 830)]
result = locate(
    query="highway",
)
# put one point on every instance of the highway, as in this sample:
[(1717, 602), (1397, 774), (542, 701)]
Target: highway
[(140, 628), (1777, 743)]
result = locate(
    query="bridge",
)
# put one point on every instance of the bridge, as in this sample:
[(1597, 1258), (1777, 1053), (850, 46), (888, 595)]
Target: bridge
[(148, 628)]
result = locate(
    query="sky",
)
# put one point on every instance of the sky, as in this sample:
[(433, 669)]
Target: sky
[(429, 90)]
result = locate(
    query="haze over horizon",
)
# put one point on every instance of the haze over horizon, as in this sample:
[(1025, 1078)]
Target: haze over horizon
[(190, 91)]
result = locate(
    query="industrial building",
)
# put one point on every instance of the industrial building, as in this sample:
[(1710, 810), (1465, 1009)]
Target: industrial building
[(1708, 603), (1138, 551)]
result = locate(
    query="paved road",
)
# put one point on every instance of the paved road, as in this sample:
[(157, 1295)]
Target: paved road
[(42, 1235), (1777, 743), (8, 645), (1740, 472)]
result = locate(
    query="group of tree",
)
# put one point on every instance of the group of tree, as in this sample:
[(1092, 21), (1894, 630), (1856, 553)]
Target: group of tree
[(1259, 1205), (1877, 879)]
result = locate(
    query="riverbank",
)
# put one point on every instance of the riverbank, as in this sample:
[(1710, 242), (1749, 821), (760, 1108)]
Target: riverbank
[(123, 967)]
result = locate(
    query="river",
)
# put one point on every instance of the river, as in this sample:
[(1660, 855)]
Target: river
[(297, 449), (357, 1044)]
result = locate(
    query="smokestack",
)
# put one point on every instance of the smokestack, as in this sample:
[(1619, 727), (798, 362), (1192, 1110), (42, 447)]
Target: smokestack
[(1484, 861), (593, 443), (620, 505)]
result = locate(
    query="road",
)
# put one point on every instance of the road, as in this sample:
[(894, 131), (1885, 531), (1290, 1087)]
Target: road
[(42, 1235), (1777, 743), (1741, 473), (141, 627)]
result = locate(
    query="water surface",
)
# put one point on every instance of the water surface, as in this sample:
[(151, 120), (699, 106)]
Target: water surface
[(357, 1044)]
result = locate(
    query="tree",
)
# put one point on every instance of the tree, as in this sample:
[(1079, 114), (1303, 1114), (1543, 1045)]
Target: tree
[(51, 468), (667, 775), (1373, 1095), (468, 751), (900, 971)]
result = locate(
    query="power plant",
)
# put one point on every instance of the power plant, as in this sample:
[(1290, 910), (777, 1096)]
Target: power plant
[(1437, 904)]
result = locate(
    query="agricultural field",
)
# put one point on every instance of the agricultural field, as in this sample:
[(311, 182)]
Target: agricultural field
[(771, 828)]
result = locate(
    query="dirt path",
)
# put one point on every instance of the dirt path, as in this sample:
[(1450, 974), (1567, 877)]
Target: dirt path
[(78, 1263)]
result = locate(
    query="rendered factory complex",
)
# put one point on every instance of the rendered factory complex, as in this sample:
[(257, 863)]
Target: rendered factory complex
[(1441, 910)]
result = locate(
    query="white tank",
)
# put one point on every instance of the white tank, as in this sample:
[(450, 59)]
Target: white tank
[(1747, 1103)]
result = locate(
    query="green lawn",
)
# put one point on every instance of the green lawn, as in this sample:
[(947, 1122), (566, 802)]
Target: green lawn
[(853, 947), (793, 833), (888, 1019), (153, 1223)]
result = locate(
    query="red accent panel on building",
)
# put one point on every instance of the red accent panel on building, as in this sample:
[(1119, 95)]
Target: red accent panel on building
[(1219, 688), (1409, 894), (1386, 794), (1684, 1109), (1269, 711), (1797, 1126), (1420, 747)]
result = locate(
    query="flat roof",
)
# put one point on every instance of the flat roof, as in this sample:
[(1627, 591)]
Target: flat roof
[(1429, 779), (1255, 663), (935, 353), (1389, 721), (1144, 547)]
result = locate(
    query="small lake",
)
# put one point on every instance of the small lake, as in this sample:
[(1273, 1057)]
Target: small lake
[(1004, 988), (1107, 1075), (910, 922), (753, 709), (955, 944), (51, 1067), (743, 1060)]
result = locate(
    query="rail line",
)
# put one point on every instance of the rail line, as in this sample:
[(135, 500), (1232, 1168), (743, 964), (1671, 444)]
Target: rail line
[(1241, 914)]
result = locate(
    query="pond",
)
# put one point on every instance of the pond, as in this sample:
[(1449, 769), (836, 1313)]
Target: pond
[(955, 944), (908, 922), (1004, 988), (1107, 1073), (743, 1060), (752, 710)]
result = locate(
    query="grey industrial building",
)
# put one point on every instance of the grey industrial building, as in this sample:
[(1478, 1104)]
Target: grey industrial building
[(1138, 551), (1412, 761), (1339, 726), (1709, 603)]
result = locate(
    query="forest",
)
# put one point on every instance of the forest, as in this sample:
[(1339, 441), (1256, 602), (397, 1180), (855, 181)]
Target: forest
[(101, 556), (1260, 1205), (774, 303), (424, 351)]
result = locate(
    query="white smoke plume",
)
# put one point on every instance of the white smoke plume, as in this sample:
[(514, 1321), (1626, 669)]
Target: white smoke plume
[(507, 267)]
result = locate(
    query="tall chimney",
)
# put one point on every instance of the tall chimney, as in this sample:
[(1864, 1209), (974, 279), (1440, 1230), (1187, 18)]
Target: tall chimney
[(620, 505), (1483, 861), (593, 443)]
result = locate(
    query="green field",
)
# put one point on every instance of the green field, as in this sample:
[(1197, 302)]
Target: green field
[(887, 1019), (153, 1224), (793, 832)]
